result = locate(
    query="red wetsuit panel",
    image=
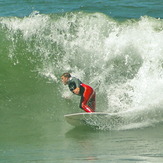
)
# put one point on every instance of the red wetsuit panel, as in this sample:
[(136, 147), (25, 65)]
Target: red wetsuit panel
[(88, 99)]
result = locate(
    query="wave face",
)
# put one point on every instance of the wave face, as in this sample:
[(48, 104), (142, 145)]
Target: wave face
[(123, 61)]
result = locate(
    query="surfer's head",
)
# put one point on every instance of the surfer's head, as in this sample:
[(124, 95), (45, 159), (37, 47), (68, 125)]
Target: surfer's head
[(65, 77)]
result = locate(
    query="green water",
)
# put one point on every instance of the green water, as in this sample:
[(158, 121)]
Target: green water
[(50, 141), (33, 129), (122, 61)]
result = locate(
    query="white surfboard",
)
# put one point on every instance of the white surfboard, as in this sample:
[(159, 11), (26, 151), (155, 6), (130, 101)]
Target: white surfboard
[(96, 119)]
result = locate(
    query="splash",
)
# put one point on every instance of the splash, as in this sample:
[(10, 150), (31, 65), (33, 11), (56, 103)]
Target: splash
[(121, 60)]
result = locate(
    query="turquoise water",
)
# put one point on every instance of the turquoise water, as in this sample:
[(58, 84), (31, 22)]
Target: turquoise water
[(114, 46), (117, 9)]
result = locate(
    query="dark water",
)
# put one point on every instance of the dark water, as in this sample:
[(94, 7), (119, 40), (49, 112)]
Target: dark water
[(114, 46)]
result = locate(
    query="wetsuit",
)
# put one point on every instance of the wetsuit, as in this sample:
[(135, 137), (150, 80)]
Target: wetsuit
[(88, 95)]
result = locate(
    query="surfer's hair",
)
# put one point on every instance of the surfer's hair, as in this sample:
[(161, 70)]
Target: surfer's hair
[(66, 74)]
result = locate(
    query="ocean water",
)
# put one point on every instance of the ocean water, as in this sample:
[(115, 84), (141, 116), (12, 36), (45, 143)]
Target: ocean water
[(114, 46)]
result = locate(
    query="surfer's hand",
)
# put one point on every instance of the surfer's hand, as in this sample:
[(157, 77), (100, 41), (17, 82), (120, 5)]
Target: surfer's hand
[(76, 91)]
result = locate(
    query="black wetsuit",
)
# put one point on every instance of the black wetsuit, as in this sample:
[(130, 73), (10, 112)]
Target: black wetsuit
[(74, 83), (87, 102)]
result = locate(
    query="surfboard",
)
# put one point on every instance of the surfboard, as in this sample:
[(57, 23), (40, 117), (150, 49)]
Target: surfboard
[(95, 119)]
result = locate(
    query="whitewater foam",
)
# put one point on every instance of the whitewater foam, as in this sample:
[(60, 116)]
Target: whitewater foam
[(121, 60)]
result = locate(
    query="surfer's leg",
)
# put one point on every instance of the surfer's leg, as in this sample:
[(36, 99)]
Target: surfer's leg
[(88, 96), (92, 101), (85, 107), (82, 106)]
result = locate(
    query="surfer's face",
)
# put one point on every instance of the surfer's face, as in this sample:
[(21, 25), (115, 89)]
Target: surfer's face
[(64, 80)]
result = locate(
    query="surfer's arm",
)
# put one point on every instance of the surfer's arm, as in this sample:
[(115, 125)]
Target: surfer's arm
[(76, 90)]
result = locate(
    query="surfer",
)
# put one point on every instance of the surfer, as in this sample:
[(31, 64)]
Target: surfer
[(88, 95)]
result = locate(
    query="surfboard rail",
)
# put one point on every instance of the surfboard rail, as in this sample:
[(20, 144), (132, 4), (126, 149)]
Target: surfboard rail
[(87, 119)]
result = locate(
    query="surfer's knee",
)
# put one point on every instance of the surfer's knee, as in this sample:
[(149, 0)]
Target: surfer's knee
[(86, 108)]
